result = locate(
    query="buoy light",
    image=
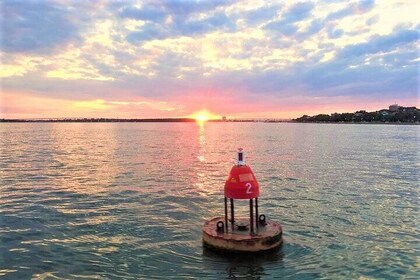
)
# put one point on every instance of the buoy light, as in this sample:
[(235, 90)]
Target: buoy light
[(241, 160)]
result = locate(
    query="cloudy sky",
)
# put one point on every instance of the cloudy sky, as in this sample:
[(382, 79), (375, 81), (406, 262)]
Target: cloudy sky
[(171, 58)]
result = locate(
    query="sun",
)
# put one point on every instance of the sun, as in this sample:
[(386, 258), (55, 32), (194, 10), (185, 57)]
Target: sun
[(203, 116)]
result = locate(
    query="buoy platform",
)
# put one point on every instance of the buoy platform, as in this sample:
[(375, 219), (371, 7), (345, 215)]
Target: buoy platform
[(252, 235), (267, 237)]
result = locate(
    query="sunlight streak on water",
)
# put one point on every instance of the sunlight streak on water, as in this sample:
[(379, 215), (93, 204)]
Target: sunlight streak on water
[(127, 200)]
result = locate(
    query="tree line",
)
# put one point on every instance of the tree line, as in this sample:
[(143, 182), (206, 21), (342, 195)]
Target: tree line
[(403, 114)]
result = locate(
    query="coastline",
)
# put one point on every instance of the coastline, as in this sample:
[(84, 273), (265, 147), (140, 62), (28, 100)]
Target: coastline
[(189, 120)]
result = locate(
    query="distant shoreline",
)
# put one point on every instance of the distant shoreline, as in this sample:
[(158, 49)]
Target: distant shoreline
[(394, 115), (362, 123), (80, 120), (189, 120), (103, 120)]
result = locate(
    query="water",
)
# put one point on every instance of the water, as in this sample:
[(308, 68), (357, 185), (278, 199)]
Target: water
[(127, 200)]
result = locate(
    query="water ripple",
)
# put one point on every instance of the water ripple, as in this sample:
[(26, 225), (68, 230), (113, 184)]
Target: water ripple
[(108, 201)]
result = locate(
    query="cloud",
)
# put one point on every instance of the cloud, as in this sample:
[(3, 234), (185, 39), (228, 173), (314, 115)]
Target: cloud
[(219, 21), (339, 14), (260, 15), (159, 10), (353, 8), (148, 13), (381, 66), (286, 24), (281, 27), (298, 12), (334, 33), (383, 43), (182, 27), (372, 20), (366, 5), (315, 26), (35, 26), (149, 31), (186, 7)]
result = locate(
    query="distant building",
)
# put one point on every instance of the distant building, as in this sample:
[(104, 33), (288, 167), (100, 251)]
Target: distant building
[(224, 118), (394, 108)]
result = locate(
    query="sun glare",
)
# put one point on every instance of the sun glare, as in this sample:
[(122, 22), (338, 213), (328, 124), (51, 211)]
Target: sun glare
[(203, 116)]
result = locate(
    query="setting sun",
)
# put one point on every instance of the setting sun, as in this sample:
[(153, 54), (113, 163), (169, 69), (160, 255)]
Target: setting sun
[(203, 116)]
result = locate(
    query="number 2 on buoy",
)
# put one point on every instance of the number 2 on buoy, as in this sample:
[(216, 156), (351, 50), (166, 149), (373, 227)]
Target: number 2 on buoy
[(248, 188)]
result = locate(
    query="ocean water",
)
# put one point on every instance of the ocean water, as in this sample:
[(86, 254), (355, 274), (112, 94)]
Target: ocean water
[(127, 200)]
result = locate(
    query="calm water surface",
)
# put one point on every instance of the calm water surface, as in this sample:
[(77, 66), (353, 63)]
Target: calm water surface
[(127, 200)]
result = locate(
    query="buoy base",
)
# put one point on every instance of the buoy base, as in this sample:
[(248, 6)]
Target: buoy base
[(267, 237)]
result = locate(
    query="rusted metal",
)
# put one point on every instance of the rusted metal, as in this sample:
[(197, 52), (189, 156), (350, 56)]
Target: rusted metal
[(226, 214), (251, 216), (256, 212), (232, 213), (266, 238)]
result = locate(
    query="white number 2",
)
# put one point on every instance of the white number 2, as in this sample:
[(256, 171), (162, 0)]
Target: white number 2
[(248, 188)]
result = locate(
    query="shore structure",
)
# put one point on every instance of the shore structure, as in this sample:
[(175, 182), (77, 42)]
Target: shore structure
[(242, 235), (395, 115)]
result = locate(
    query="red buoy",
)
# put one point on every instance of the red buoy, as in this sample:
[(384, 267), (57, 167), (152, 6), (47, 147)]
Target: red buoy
[(241, 183), (238, 234)]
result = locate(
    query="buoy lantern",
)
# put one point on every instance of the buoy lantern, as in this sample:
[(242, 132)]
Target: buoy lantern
[(242, 235)]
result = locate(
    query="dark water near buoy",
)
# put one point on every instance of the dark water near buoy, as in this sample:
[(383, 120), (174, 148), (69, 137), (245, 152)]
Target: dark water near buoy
[(127, 200)]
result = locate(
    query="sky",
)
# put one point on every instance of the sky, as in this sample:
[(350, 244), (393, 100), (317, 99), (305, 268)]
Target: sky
[(239, 59)]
